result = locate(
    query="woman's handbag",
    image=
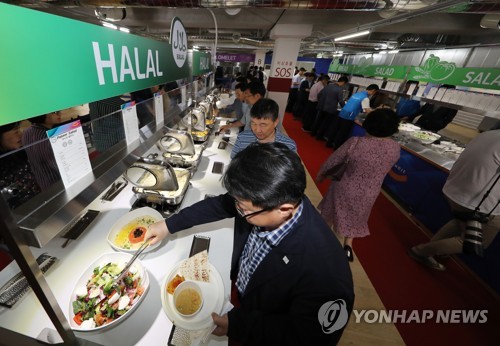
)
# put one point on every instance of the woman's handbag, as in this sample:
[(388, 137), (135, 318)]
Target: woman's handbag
[(337, 171)]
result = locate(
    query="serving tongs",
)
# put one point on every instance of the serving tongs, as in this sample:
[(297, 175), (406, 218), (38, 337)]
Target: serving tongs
[(129, 264)]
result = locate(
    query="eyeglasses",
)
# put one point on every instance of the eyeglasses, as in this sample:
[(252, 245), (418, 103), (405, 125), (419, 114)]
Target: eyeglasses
[(246, 216)]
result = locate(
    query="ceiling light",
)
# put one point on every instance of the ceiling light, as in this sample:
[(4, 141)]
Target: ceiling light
[(337, 55), (361, 33), (109, 25), (383, 52), (394, 51), (127, 30)]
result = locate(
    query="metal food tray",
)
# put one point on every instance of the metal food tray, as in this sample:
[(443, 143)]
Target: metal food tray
[(169, 197), (185, 161), (197, 138)]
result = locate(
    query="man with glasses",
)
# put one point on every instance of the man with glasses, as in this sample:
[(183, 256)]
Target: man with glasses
[(253, 93), (287, 266), (263, 122)]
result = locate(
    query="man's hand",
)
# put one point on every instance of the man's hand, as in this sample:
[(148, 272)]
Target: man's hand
[(223, 128), (158, 230), (222, 323)]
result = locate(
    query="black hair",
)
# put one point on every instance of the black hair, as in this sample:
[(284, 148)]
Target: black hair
[(266, 174), (372, 87), (265, 109), (8, 127), (257, 87), (324, 77), (343, 79), (241, 86), (39, 119), (382, 122)]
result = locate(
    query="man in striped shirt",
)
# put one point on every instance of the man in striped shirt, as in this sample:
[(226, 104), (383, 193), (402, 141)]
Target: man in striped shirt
[(263, 122)]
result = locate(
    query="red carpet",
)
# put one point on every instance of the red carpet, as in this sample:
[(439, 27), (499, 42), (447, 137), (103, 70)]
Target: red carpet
[(403, 284)]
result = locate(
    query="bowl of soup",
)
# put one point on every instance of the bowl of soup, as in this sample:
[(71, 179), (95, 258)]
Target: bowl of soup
[(188, 299)]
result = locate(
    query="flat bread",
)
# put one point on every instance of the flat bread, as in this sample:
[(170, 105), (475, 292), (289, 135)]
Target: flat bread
[(197, 267)]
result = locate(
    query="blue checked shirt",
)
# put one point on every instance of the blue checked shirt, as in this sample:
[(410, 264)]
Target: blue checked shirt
[(246, 138), (258, 245)]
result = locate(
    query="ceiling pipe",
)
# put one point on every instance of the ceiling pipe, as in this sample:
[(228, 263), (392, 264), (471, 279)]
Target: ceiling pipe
[(397, 19), (486, 6), (214, 53)]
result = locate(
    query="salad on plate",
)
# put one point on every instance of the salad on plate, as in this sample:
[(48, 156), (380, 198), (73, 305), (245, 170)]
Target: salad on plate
[(102, 301)]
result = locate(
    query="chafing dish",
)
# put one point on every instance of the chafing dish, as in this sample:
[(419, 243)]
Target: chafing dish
[(156, 181), (152, 174), (177, 142), (179, 150), (185, 161), (172, 197), (209, 107), (199, 131)]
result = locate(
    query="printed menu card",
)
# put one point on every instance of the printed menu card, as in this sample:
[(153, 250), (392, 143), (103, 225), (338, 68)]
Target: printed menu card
[(70, 151)]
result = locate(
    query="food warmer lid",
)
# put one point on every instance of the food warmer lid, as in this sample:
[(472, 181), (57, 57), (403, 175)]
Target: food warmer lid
[(152, 175), (177, 142), (198, 119)]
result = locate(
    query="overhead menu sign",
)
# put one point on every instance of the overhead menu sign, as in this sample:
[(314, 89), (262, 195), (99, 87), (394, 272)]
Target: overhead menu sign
[(433, 70), (61, 62), (233, 57), (202, 63), (366, 68)]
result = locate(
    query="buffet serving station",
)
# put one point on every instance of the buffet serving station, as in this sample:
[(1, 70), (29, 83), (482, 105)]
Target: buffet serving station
[(186, 161)]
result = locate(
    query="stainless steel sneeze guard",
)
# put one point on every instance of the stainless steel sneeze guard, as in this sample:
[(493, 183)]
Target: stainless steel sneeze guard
[(56, 215)]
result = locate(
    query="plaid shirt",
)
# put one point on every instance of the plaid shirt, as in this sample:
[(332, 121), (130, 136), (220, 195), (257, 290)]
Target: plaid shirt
[(258, 245)]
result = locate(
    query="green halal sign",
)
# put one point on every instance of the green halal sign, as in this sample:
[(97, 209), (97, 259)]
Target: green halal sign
[(442, 72), (80, 62), (202, 63)]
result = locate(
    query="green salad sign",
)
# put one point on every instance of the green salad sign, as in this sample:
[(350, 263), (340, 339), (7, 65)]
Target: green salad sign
[(365, 67), (436, 71), (51, 63)]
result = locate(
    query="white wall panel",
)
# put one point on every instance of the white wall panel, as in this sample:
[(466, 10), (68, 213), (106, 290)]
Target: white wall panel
[(488, 57), (458, 56)]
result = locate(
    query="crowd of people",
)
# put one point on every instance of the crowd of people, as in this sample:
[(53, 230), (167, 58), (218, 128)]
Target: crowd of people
[(290, 261)]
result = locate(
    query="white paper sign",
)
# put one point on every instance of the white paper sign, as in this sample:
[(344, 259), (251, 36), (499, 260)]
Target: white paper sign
[(183, 95), (159, 108), (439, 94), (130, 122), (70, 151), (432, 92), (420, 91), (411, 89)]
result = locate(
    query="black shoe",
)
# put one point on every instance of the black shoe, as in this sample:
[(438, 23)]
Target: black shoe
[(349, 253), (426, 261)]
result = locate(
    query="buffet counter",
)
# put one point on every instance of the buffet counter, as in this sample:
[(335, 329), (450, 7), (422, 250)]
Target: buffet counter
[(147, 324)]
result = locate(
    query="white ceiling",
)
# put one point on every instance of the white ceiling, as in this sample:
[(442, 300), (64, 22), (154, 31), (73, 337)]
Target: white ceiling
[(249, 29)]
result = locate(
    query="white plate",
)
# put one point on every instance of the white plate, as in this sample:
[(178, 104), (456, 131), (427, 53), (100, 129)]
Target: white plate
[(408, 127), (126, 219), (425, 137), (115, 257), (213, 299)]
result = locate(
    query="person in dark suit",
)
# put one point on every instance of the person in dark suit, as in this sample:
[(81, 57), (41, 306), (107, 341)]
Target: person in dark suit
[(434, 117), (292, 277)]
